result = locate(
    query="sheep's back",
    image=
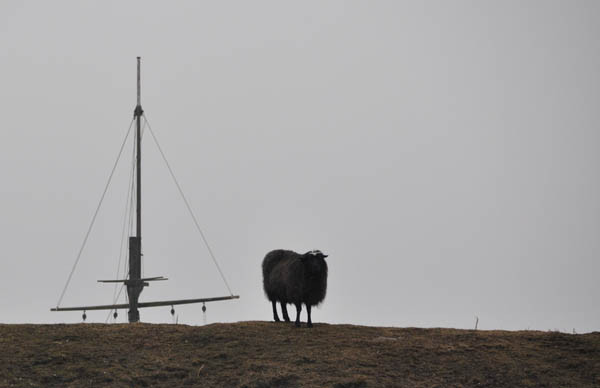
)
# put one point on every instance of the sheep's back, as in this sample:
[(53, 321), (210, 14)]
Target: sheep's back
[(276, 272), (286, 280)]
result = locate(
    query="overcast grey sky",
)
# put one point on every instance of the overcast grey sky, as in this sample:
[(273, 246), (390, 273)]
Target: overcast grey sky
[(444, 154)]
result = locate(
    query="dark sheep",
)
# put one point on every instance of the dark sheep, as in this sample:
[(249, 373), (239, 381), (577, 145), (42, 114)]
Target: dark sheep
[(289, 277)]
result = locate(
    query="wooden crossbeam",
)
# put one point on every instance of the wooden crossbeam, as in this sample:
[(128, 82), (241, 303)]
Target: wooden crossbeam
[(146, 304), (156, 278)]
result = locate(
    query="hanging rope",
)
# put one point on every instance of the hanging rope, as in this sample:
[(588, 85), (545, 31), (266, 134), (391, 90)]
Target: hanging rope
[(119, 294), (124, 231), (142, 261), (94, 217), (127, 228), (189, 208)]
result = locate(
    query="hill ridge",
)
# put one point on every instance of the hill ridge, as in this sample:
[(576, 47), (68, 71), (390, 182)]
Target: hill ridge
[(264, 354)]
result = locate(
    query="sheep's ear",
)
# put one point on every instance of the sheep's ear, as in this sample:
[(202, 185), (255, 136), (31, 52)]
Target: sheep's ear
[(315, 253)]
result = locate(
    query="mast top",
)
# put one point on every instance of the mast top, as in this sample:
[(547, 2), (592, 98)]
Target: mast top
[(138, 108)]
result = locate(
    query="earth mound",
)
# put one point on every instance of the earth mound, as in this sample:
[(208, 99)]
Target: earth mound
[(265, 354)]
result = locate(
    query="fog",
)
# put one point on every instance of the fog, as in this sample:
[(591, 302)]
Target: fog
[(444, 154)]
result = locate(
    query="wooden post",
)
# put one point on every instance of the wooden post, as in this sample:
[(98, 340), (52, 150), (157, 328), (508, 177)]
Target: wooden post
[(134, 284)]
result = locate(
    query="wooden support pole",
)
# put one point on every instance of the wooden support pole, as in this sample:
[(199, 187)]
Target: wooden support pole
[(134, 289)]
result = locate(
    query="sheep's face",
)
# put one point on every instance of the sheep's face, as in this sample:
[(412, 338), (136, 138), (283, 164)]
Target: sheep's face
[(317, 254)]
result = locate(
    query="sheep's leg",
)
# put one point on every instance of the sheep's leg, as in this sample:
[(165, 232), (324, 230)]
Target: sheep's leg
[(275, 316), (309, 321), (284, 312), (298, 310)]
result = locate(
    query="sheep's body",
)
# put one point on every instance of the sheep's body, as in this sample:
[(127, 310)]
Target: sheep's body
[(289, 277)]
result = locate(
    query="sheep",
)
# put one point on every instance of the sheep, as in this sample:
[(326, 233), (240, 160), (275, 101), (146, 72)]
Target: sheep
[(290, 277)]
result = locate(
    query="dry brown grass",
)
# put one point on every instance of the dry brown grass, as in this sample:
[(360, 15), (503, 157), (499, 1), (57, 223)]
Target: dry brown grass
[(264, 354)]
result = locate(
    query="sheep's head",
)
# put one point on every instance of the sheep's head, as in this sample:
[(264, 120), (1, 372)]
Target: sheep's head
[(315, 267), (316, 253)]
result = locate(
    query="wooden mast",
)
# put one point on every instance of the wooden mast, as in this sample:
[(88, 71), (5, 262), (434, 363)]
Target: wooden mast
[(134, 284), (138, 114)]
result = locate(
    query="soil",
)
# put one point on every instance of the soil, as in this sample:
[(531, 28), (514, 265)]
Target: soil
[(265, 354)]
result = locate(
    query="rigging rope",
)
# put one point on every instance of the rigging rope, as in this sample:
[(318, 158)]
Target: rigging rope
[(125, 230), (142, 261), (94, 217), (189, 208), (119, 294)]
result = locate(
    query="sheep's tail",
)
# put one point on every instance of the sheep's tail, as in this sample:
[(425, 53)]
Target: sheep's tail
[(270, 260)]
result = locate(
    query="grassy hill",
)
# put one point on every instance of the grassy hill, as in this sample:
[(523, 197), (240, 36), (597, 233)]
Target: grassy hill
[(264, 354)]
